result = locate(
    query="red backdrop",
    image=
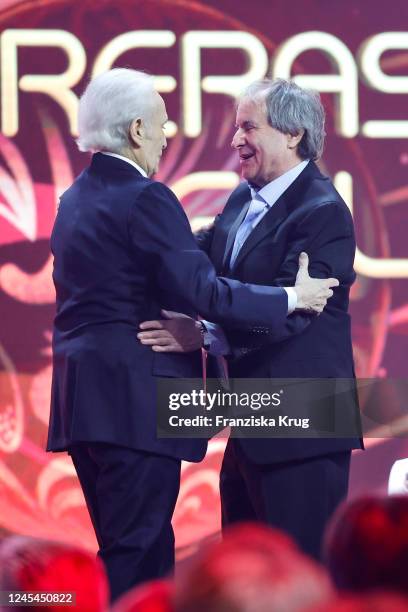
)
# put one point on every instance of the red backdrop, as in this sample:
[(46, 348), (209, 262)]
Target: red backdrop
[(352, 52)]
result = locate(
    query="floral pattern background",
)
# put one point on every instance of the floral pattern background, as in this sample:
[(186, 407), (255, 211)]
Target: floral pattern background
[(39, 493)]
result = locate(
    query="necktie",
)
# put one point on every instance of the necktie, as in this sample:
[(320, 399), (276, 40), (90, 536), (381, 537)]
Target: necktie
[(257, 206)]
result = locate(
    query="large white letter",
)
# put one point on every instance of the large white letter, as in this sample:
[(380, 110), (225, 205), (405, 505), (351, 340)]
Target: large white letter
[(198, 181), (192, 43), (372, 267), (57, 86), (134, 40), (345, 84), (369, 55)]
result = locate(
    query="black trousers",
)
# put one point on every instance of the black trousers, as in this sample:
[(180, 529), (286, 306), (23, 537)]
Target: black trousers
[(298, 497), (130, 496)]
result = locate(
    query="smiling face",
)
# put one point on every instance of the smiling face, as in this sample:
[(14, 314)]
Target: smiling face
[(264, 152)]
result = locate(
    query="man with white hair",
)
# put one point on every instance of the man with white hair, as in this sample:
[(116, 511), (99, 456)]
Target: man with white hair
[(284, 206)]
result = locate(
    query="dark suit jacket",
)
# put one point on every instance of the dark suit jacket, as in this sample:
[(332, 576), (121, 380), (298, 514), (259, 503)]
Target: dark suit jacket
[(310, 216), (123, 249)]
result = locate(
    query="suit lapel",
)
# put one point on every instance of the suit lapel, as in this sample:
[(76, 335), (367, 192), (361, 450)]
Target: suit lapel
[(267, 225), (234, 210), (279, 211), (233, 232)]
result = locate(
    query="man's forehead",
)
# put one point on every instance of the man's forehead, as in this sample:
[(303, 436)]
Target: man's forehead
[(251, 108)]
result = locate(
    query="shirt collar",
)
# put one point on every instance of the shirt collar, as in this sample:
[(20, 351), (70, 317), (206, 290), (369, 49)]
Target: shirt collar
[(126, 159), (272, 191)]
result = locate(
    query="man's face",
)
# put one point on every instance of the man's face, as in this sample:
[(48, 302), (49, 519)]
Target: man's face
[(155, 140), (263, 151)]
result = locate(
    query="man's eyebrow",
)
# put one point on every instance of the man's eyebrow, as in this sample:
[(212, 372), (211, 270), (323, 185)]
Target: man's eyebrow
[(246, 124)]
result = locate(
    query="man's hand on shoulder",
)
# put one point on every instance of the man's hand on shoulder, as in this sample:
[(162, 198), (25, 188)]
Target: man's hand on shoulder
[(177, 333), (312, 293)]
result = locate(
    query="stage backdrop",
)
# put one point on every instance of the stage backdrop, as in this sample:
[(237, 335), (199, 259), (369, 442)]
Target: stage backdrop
[(353, 52)]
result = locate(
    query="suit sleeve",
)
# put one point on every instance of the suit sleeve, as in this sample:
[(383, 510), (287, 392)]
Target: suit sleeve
[(326, 234), (161, 237)]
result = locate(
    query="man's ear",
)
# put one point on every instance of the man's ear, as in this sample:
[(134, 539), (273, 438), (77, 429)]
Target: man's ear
[(137, 131), (293, 141)]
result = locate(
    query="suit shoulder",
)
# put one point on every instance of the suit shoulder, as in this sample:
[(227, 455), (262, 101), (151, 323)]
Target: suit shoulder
[(322, 207), (240, 189), (240, 193), (323, 195), (159, 199), (160, 190)]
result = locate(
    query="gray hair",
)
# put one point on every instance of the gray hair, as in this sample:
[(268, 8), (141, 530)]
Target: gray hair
[(290, 109), (108, 106)]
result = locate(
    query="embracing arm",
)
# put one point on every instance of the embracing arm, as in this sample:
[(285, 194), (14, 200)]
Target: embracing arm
[(160, 235)]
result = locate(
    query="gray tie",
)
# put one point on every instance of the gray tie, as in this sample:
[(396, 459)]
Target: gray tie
[(257, 206)]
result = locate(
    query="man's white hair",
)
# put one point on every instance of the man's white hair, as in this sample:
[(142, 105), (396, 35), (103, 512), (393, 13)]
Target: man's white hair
[(108, 106)]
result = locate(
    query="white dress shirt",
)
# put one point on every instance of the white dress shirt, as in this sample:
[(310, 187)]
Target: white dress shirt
[(261, 202)]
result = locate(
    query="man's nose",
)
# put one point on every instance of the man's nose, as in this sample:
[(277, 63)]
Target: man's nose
[(237, 140)]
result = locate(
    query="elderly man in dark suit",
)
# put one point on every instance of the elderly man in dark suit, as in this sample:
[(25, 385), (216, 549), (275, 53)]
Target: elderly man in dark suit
[(284, 206), (123, 249)]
